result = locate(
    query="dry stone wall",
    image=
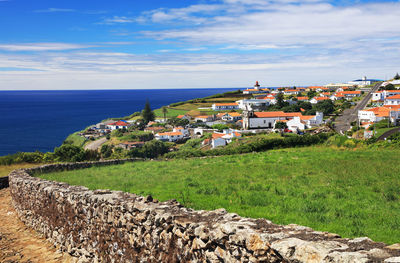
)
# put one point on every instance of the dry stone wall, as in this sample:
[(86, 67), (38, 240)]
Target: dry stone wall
[(113, 226)]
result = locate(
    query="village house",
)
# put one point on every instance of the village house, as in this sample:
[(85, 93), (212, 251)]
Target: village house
[(266, 120), (222, 139), (337, 96), (184, 131), (204, 118), (225, 106), (169, 136), (381, 95), (154, 129), (291, 92), (351, 94), (315, 100), (302, 99), (377, 114), (184, 117), (254, 103), (118, 125), (392, 100)]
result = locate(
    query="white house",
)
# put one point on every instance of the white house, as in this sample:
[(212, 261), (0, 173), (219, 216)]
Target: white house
[(266, 120), (379, 113), (184, 117), (229, 116), (118, 125), (315, 100), (225, 106), (296, 124), (204, 118), (169, 136), (253, 103), (392, 100), (184, 131), (291, 92), (222, 139)]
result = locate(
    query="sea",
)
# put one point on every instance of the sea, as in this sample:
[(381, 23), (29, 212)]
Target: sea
[(41, 120)]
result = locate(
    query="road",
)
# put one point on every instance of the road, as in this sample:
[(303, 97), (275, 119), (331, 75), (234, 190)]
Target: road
[(388, 133), (342, 123), (95, 144)]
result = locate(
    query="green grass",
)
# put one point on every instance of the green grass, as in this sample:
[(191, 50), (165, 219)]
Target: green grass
[(349, 192), (171, 112), (75, 139), (6, 169), (381, 131)]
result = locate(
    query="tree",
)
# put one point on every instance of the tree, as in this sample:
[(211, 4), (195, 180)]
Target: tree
[(164, 111), (311, 94), (397, 76), (279, 100), (147, 113), (280, 125), (106, 150), (326, 106), (69, 153)]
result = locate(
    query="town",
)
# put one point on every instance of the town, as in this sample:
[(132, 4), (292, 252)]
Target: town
[(216, 121)]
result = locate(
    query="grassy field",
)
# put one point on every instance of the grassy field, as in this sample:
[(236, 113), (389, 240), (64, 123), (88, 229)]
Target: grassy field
[(6, 169), (75, 139), (349, 192)]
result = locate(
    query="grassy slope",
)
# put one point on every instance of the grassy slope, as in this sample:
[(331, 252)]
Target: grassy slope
[(6, 169), (352, 193), (76, 139)]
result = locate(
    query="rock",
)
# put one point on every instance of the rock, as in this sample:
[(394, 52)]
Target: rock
[(394, 246), (392, 260)]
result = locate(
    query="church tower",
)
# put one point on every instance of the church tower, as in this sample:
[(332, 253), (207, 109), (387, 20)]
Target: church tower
[(257, 86)]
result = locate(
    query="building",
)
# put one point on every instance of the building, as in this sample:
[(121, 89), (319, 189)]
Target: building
[(266, 120), (225, 106), (315, 100), (392, 100), (256, 89), (118, 125), (169, 136), (229, 116), (222, 139), (380, 113), (204, 118), (154, 129), (184, 131), (364, 82), (254, 103), (184, 117)]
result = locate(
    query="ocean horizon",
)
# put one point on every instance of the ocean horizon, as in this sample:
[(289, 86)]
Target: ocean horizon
[(40, 120)]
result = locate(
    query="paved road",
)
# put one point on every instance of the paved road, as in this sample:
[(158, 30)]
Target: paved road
[(342, 123), (95, 144)]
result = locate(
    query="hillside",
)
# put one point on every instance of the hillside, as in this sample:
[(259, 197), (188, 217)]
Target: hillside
[(349, 192)]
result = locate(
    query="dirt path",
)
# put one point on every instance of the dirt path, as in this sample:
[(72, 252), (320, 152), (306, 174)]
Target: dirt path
[(21, 244), (95, 144)]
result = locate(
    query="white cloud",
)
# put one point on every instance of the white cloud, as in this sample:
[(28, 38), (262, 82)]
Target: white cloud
[(53, 10), (118, 20), (41, 46)]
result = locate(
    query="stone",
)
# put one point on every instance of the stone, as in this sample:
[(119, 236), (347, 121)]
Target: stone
[(392, 260)]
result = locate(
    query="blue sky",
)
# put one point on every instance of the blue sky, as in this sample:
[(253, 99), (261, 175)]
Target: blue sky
[(195, 44)]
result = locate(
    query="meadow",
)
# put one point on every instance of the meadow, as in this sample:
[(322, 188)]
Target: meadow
[(349, 192)]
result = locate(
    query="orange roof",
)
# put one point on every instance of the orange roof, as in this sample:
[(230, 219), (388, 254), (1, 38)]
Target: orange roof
[(251, 90), (170, 133), (203, 116), (237, 134), (226, 104), (302, 98), (395, 97), (322, 98), (315, 87), (218, 135), (234, 114), (180, 116), (306, 117), (351, 92), (272, 114), (291, 90), (326, 93)]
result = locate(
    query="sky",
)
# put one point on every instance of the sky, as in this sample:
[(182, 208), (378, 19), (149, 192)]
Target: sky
[(132, 44)]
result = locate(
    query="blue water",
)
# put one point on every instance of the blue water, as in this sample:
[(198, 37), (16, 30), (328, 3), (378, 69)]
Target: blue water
[(41, 120)]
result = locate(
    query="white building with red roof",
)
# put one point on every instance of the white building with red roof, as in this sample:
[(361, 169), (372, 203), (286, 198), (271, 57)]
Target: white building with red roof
[(118, 125), (267, 120), (315, 100), (169, 136), (392, 100)]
